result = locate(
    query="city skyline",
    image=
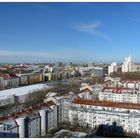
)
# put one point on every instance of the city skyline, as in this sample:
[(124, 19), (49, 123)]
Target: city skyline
[(78, 32)]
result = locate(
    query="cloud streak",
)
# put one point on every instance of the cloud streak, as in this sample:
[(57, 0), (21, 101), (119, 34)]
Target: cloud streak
[(20, 56), (92, 29)]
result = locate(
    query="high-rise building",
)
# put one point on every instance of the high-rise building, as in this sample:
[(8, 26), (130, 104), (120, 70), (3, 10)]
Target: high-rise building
[(128, 65), (112, 68), (97, 72), (59, 64)]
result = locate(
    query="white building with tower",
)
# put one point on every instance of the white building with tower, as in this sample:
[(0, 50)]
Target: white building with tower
[(128, 65), (112, 68)]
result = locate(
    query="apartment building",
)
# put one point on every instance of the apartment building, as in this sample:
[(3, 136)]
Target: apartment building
[(92, 89), (85, 94), (29, 126), (2, 83), (35, 78), (128, 65), (48, 119), (32, 122), (112, 68), (8, 128), (92, 113), (63, 104), (120, 95), (128, 84), (23, 79)]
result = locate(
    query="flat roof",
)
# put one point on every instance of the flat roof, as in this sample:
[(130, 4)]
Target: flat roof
[(21, 90)]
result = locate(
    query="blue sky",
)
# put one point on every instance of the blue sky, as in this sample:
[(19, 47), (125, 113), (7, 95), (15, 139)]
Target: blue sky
[(78, 32)]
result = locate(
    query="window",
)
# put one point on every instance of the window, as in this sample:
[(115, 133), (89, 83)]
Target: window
[(4, 134)]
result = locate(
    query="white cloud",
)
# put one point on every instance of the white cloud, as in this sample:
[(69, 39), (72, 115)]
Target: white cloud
[(92, 29)]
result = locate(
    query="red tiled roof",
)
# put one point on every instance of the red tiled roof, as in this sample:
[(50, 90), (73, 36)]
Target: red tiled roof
[(84, 90), (107, 81), (28, 110), (107, 104), (4, 118), (6, 76)]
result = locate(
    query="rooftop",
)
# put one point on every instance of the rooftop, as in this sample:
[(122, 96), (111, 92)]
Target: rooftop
[(31, 111), (21, 90), (107, 104)]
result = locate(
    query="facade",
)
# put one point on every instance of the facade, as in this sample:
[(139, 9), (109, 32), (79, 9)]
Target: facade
[(128, 65), (112, 68), (56, 76), (105, 70), (12, 82), (8, 128), (92, 89), (97, 72), (135, 84), (35, 78), (85, 94), (29, 127), (63, 105), (2, 83), (23, 79), (92, 113), (30, 78), (32, 122), (120, 95), (48, 119)]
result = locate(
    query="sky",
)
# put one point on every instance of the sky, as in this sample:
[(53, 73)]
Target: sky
[(78, 32)]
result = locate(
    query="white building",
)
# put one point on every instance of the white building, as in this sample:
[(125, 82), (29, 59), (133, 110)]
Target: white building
[(48, 119), (37, 120), (85, 94), (112, 68), (120, 95), (97, 71), (23, 79), (63, 103), (133, 84), (128, 65), (93, 113), (130, 84), (2, 83), (32, 122), (8, 129), (90, 91), (29, 127)]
